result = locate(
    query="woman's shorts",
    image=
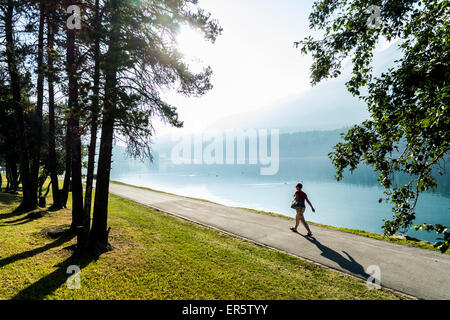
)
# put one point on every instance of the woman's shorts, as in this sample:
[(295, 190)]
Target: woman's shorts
[(301, 210)]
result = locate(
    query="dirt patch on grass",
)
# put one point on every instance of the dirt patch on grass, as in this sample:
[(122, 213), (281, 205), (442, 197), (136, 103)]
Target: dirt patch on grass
[(55, 231), (124, 246)]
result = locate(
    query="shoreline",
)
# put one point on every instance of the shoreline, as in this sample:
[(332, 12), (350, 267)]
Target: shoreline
[(398, 239)]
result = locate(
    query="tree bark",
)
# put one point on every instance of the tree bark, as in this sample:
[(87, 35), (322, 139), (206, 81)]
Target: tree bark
[(57, 204), (94, 125), (8, 177), (68, 169), (39, 103), (11, 173), (27, 200), (99, 233), (74, 131)]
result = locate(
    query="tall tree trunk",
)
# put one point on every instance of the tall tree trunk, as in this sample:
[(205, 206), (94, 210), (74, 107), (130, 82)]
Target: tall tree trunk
[(99, 233), (74, 123), (8, 177), (11, 172), (57, 204), (94, 124), (39, 103), (28, 203), (68, 162)]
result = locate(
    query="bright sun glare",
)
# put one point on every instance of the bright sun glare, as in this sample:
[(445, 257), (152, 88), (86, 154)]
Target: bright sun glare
[(192, 44)]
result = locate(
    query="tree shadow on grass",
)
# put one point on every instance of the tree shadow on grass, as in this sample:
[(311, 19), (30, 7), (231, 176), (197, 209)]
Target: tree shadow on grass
[(16, 212), (9, 198), (347, 263), (28, 218), (65, 237), (51, 282), (48, 284)]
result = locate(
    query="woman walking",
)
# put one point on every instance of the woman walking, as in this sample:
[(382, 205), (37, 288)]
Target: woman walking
[(299, 205)]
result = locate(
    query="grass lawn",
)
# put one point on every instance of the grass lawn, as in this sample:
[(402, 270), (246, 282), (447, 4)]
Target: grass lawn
[(156, 256)]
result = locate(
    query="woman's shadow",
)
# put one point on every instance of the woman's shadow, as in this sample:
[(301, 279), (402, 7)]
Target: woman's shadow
[(348, 263)]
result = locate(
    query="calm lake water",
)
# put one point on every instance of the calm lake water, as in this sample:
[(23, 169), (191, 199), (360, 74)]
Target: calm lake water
[(351, 203)]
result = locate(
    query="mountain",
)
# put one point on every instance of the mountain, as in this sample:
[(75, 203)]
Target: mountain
[(327, 106)]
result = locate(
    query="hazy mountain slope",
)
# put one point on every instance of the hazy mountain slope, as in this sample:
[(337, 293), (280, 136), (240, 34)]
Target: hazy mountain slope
[(326, 106)]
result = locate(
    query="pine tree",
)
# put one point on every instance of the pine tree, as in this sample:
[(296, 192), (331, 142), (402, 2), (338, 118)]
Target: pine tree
[(142, 59)]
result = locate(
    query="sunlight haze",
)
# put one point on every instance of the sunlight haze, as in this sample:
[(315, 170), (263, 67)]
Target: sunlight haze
[(254, 61)]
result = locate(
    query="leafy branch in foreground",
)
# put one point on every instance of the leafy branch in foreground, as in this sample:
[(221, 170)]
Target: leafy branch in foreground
[(407, 132)]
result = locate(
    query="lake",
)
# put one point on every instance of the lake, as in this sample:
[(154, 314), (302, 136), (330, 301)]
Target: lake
[(351, 203)]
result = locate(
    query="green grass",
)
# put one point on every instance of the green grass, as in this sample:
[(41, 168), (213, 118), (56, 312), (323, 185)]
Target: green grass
[(157, 256), (397, 240)]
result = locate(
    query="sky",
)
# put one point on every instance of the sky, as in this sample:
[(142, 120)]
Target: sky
[(254, 61)]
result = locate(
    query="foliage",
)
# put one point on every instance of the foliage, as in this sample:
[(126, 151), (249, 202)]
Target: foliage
[(150, 63), (409, 103)]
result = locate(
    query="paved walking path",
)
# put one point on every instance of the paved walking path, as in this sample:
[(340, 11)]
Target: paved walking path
[(418, 272)]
